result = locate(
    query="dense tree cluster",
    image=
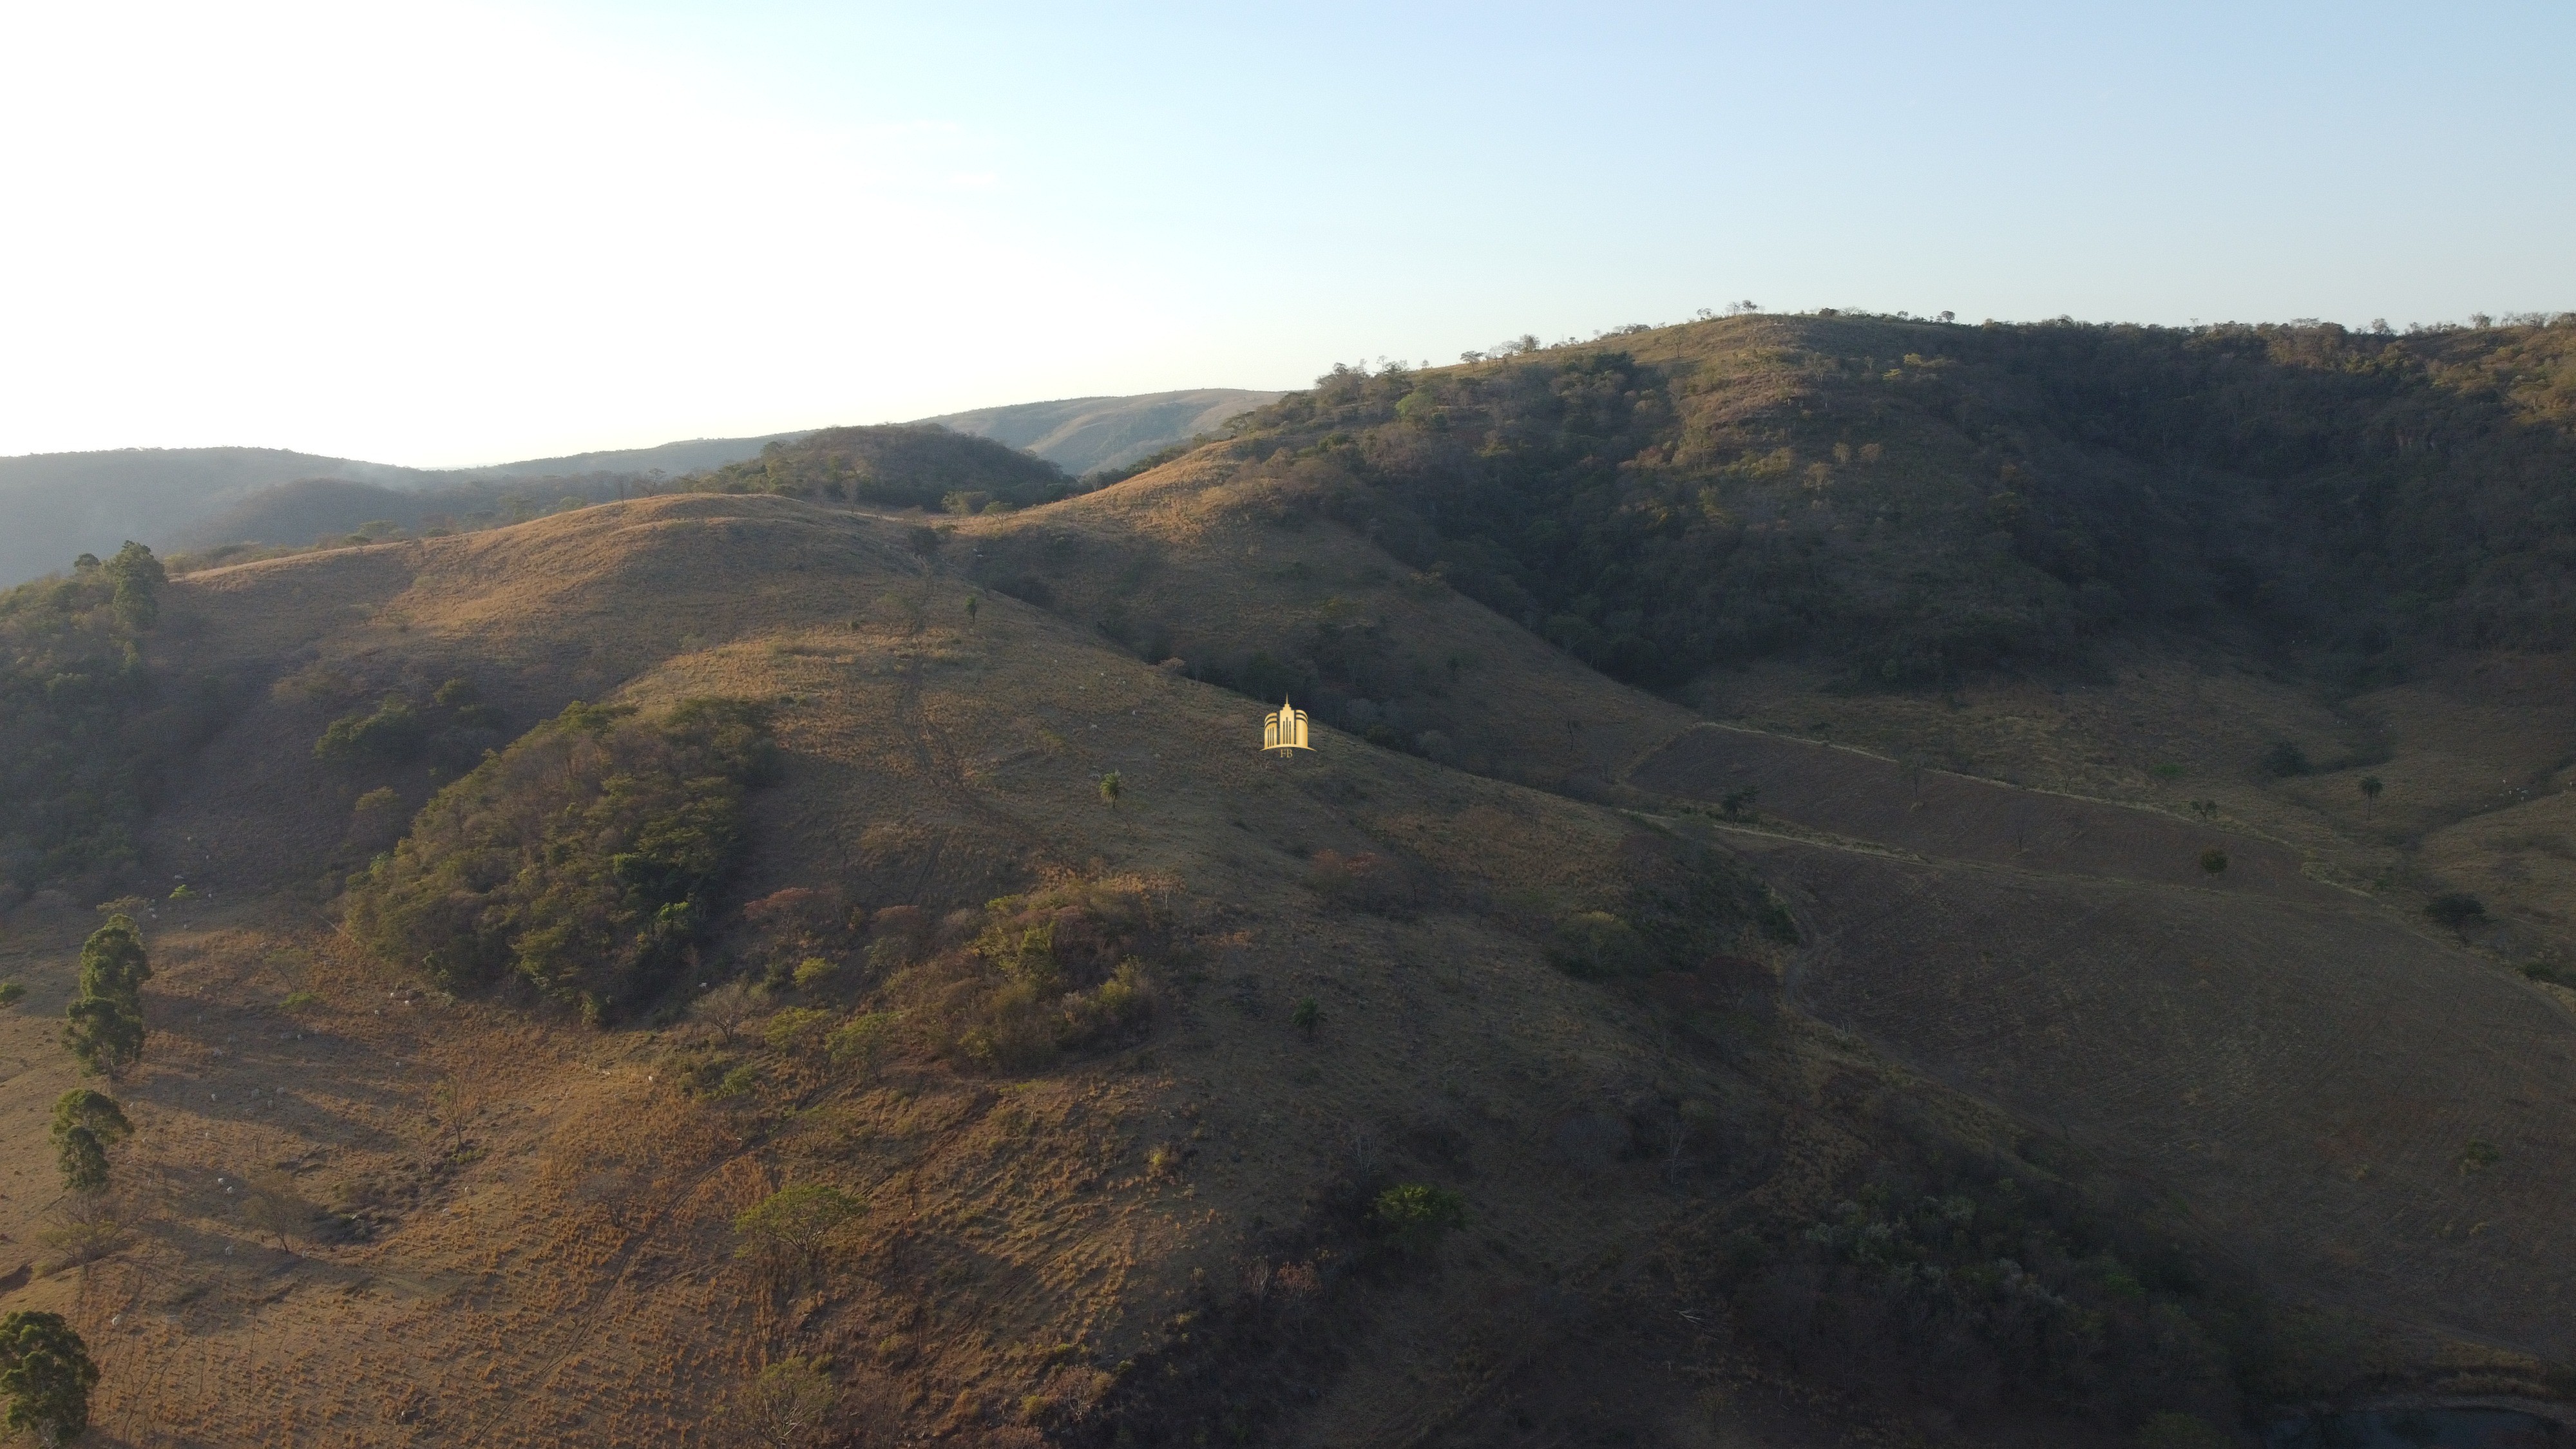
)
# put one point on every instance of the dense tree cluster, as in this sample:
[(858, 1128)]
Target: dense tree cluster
[(84, 726), (1918, 499), (585, 859), (906, 465)]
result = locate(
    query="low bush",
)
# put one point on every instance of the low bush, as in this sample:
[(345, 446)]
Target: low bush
[(1059, 969), (2456, 911)]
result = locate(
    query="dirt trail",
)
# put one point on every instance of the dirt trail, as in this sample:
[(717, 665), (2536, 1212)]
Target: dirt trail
[(1954, 817)]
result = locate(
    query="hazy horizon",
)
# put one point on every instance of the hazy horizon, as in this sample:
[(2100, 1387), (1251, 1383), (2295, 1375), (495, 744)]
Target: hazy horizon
[(444, 234)]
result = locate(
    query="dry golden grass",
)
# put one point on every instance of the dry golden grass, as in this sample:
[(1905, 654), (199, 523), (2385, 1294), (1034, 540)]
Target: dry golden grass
[(569, 1275), (551, 1260)]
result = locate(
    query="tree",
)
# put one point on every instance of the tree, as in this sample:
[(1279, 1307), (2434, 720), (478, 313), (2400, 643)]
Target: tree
[(791, 1223), (46, 1375), (725, 1007), (1307, 1016), (105, 1034), (105, 1025), (82, 1159), (1110, 787), (2370, 788), (787, 1403), (138, 578), (85, 1124), (2213, 861), (112, 962), (11, 993), (273, 1207)]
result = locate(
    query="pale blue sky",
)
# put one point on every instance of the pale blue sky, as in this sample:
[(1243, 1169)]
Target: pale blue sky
[(445, 233)]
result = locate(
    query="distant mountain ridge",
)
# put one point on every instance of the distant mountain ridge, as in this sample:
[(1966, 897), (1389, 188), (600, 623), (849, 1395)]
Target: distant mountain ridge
[(54, 506), (1086, 434)]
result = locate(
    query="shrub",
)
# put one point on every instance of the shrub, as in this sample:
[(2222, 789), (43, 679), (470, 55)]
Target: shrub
[(813, 971), (1307, 1016), (2213, 861), (1598, 944), (788, 1404), (586, 858), (1415, 1216), (300, 1000), (2282, 759), (795, 1029), (1056, 970), (2456, 911), (393, 733), (11, 993), (860, 1040)]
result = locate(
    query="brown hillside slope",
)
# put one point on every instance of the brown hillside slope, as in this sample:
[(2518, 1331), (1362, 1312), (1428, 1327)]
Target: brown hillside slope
[(2313, 1076), (2471, 1037), (361, 1212)]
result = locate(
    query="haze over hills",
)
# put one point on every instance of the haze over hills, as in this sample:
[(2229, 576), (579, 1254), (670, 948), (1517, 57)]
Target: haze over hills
[(1090, 434), (63, 504), (1860, 880)]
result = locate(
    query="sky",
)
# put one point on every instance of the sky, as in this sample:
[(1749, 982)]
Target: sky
[(445, 234)]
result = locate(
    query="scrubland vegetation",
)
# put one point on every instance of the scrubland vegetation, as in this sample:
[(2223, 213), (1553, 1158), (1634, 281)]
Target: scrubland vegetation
[(731, 963)]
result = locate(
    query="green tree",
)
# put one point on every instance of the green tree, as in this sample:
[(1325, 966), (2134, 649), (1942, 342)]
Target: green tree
[(105, 1034), (46, 1375), (2213, 860), (112, 961), (137, 577), (85, 1124), (791, 1224), (2370, 788)]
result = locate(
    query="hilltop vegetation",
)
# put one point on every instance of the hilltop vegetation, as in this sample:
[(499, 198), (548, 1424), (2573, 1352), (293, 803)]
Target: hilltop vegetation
[(904, 465), (1918, 499)]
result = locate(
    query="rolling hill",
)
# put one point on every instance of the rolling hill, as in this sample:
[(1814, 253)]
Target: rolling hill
[(62, 504), (643, 961)]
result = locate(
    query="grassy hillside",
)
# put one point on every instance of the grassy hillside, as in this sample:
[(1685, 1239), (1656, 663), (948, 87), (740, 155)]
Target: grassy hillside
[(642, 964), (1098, 1065)]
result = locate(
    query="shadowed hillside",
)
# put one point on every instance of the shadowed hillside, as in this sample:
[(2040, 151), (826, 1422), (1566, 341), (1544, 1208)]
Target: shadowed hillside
[(1914, 499)]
